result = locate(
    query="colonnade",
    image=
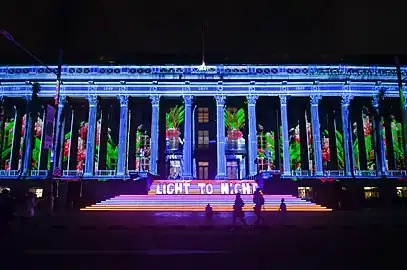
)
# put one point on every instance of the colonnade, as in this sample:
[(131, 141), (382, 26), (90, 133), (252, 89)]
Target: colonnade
[(220, 141)]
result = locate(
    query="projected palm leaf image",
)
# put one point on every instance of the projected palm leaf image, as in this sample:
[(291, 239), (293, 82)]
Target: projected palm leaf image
[(173, 119)]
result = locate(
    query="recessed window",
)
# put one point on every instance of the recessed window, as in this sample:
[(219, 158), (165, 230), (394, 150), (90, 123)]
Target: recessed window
[(203, 138), (402, 192), (305, 193), (203, 170), (371, 193), (203, 115)]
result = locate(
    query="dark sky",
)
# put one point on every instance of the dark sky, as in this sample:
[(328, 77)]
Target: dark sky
[(170, 31)]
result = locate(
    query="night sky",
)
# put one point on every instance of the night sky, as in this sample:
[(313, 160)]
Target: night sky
[(170, 31)]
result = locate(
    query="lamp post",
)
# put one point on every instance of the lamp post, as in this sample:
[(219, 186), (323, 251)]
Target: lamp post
[(57, 72)]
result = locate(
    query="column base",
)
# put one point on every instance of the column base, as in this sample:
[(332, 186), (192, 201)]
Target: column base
[(221, 177), (87, 174), (319, 174)]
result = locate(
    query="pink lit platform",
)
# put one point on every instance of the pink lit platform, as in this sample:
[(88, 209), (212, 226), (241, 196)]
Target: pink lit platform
[(195, 195)]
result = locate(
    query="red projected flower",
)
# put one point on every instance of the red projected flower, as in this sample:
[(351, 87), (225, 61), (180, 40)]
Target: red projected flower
[(171, 133), (326, 153), (38, 128), (23, 126), (83, 131), (235, 134), (67, 145), (367, 127)]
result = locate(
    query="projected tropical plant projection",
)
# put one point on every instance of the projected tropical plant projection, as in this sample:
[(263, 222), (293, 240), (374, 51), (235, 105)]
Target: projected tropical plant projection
[(97, 141), (397, 134), (112, 152), (266, 154), (142, 150), (37, 143), (7, 142), (20, 152), (81, 154), (295, 148), (173, 119), (234, 122)]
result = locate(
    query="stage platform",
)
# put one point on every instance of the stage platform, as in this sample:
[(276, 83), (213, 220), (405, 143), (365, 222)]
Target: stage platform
[(193, 196)]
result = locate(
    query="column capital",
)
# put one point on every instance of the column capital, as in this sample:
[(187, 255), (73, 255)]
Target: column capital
[(346, 99), (188, 99), (315, 99), (252, 99), (155, 100), (283, 99), (375, 101), (124, 100), (220, 100), (93, 100), (27, 98), (61, 101)]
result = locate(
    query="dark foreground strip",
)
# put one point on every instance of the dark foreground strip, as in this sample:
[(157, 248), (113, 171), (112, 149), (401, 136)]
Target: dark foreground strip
[(124, 252), (225, 227)]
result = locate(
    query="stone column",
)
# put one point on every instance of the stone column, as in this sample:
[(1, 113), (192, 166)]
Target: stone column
[(187, 149), (220, 137), (27, 144), (286, 141), (319, 171), (347, 149), (124, 119), (378, 134), (251, 101), (59, 133), (1, 128), (155, 103), (90, 140)]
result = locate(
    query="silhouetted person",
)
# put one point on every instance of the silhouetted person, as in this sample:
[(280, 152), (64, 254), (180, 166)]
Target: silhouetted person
[(31, 201), (258, 200), (6, 209), (208, 212), (283, 206), (238, 209)]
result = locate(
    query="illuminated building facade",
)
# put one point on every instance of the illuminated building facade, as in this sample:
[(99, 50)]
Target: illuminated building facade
[(206, 122)]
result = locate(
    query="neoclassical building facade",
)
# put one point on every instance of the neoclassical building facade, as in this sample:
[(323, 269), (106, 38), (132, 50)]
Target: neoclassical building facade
[(205, 122)]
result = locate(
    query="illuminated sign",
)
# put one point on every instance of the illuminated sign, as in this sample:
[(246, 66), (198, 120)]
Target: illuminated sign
[(170, 187)]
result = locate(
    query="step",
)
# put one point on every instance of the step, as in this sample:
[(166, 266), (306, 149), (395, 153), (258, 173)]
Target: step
[(197, 203)]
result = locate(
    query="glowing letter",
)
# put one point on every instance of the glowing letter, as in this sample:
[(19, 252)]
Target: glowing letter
[(170, 188), (201, 186), (246, 188), (158, 190), (238, 188), (231, 189), (178, 188), (186, 187), (209, 189), (255, 186), (224, 188)]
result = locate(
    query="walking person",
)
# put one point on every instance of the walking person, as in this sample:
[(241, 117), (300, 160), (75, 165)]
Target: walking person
[(282, 210), (258, 200), (6, 210), (238, 209), (31, 203)]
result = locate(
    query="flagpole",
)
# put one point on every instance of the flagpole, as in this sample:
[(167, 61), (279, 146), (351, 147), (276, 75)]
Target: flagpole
[(56, 135), (403, 109)]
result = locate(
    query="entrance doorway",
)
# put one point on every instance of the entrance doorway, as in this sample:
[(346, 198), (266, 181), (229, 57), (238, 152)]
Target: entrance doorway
[(174, 169), (232, 169)]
